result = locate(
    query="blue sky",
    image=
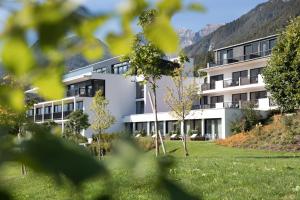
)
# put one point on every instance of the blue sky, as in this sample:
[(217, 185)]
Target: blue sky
[(217, 12)]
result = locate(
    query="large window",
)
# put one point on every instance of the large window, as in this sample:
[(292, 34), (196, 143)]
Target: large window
[(140, 107), (139, 90), (79, 105), (141, 127), (172, 127), (120, 68), (236, 76), (86, 88), (57, 108), (254, 74), (213, 80), (47, 110), (251, 50), (216, 99), (254, 96)]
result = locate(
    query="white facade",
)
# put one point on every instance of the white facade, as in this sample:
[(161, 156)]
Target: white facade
[(232, 81)]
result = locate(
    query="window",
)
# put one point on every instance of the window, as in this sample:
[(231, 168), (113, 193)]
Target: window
[(38, 111), (79, 105), (120, 68), (57, 108), (172, 126), (47, 110), (213, 80), (216, 99), (254, 74), (70, 106), (29, 112), (139, 90), (140, 107), (272, 43), (141, 126), (102, 70), (258, 95), (236, 76)]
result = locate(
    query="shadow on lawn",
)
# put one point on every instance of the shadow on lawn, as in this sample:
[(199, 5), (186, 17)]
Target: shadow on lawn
[(268, 157), (174, 150)]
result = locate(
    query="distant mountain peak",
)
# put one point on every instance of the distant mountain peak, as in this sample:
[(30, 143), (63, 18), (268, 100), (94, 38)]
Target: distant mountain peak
[(189, 37)]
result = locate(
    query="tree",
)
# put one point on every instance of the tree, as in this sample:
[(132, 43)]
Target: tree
[(180, 99), (102, 118), (282, 74), (77, 121), (146, 60)]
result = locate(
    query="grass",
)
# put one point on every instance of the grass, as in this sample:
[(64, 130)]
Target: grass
[(211, 171)]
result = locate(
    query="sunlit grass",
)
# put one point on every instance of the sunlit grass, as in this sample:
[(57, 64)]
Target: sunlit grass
[(211, 171)]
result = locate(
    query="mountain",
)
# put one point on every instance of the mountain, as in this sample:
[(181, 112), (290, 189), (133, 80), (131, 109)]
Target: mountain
[(189, 37), (265, 19)]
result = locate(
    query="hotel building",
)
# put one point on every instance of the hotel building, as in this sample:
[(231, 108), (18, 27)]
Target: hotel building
[(233, 80)]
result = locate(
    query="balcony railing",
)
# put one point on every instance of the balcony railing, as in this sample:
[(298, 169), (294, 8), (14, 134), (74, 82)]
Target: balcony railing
[(81, 92), (232, 83), (234, 104), (241, 58)]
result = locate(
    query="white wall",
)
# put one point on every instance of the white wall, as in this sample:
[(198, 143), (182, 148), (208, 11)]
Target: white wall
[(120, 92)]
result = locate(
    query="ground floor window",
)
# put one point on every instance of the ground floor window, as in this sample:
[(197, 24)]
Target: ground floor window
[(193, 125), (141, 127), (173, 127), (213, 128), (160, 127)]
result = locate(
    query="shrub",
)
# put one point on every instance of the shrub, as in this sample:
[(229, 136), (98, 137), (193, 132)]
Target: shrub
[(236, 126), (250, 117), (146, 143)]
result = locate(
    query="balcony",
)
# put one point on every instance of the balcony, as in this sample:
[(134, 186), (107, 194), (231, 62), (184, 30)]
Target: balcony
[(228, 83), (260, 104), (80, 93), (240, 58)]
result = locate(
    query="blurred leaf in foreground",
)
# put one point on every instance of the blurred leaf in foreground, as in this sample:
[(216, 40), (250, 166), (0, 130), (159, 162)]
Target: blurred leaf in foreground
[(52, 155)]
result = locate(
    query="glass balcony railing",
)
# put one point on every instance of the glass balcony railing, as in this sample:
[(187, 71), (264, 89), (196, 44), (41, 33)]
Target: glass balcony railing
[(240, 58), (232, 83), (233, 104)]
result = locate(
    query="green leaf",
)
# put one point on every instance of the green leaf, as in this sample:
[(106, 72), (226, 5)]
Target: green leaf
[(12, 98), (196, 7), (49, 83), (120, 44), (163, 35), (91, 50), (55, 156), (17, 56), (169, 7)]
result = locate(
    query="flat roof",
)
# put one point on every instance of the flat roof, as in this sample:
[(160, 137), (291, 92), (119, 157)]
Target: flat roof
[(239, 44)]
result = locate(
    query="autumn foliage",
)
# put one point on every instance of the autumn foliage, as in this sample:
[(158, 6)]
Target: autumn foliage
[(281, 133)]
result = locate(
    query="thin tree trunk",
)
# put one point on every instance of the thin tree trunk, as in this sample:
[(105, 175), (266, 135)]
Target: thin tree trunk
[(23, 167), (99, 146), (186, 153), (156, 120)]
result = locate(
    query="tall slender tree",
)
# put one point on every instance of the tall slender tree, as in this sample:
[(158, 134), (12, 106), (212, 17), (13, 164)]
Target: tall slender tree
[(181, 97), (146, 60), (102, 118)]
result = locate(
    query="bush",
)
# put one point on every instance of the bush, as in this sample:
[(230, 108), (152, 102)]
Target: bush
[(146, 143), (74, 137), (251, 117)]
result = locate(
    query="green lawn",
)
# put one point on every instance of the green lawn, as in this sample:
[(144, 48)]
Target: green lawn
[(211, 171)]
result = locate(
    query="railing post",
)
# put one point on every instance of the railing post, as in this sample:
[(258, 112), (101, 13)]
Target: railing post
[(43, 113), (34, 113), (62, 116), (52, 110)]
